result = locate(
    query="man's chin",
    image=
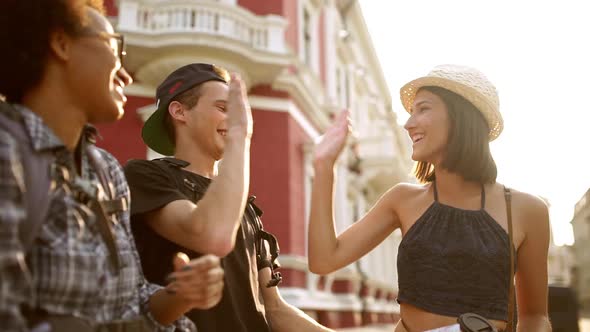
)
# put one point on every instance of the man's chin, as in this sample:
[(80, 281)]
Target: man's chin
[(120, 113), (106, 116), (116, 114)]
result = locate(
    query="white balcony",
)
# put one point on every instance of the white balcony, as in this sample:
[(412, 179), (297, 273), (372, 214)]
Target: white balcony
[(207, 17), (163, 34)]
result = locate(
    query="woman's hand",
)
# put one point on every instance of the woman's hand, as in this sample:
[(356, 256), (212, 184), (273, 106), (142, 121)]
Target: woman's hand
[(332, 143)]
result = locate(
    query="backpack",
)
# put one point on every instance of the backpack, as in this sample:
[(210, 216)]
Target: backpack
[(39, 170), (263, 238)]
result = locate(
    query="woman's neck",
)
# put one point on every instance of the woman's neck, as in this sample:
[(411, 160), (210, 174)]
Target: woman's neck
[(454, 186)]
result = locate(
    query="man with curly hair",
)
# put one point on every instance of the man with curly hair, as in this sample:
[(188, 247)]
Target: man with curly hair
[(59, 72)]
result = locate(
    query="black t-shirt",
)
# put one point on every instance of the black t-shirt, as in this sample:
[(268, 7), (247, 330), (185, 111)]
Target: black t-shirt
[(156, 183)]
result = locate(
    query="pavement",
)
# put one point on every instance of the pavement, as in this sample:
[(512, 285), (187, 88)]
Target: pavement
[(372, 328), (584, 324)]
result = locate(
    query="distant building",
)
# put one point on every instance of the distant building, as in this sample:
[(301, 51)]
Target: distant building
[(581, 226), (303, 61), (560, 264)]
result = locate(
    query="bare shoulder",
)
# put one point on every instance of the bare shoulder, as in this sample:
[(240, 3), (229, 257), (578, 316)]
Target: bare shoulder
[(532, 208), (404, 192), (405, 188), (528, 201)]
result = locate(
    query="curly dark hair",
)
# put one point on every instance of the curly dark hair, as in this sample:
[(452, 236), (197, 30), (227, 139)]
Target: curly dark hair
[(25, 29)]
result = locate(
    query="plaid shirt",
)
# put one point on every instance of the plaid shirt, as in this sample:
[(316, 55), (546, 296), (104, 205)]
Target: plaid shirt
[(69, 262)]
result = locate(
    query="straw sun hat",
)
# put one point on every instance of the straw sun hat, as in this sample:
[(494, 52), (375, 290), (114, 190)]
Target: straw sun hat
[(467, 82)]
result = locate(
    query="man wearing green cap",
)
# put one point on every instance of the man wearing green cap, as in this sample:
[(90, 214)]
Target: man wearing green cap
[(190, 203)]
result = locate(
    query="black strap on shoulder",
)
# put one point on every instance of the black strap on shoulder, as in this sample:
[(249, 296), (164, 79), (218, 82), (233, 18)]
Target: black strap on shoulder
[(262, 238), (434, 190), (483, 197), (511, 302)]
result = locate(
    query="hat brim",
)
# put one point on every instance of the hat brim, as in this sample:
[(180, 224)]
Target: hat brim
[(489, 112), (154, 133)]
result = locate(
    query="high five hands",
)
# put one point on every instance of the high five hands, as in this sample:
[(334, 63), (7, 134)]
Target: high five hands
[(333, 141), (239, 114)]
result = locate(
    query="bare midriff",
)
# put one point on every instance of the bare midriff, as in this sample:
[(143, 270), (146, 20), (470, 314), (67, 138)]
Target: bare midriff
[(416, 319)]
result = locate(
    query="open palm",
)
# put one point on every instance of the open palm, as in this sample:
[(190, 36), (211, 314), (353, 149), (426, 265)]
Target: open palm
[(239, 114), (333, 141)]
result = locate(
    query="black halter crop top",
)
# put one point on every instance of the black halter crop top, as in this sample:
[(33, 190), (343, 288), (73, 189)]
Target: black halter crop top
[(453, 261)]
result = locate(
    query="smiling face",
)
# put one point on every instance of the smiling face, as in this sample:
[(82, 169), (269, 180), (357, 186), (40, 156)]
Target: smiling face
[(428, 127), (204, 124), (449, 132), (98, 87)]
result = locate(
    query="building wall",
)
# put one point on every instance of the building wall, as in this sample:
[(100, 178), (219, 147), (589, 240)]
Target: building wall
[(294, 91), (581, 226), (123, 138), (560, 263), (290, 12), (111, 7), (277, 177), (264, 7)]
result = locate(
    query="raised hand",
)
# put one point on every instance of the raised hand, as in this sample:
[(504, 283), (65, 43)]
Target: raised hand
[(239, 115), (333, 141), (198, 282)]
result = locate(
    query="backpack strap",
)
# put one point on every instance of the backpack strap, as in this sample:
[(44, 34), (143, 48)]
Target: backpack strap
[(103, 202), (109, 201), (37, 175), (262, 238)]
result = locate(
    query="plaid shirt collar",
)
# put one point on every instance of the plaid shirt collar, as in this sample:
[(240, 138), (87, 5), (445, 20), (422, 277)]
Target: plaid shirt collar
[(42, 137)]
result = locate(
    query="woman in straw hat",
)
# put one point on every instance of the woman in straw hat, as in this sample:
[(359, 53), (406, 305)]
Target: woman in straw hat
[(455, 255)]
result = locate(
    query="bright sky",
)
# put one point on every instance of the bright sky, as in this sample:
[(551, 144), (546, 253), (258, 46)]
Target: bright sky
[(537, 54)]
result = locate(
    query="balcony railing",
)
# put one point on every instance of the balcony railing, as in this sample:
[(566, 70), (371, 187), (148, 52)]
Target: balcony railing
[(205, 17)]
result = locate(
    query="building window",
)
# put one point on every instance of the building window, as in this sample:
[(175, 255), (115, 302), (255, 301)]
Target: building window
[(342, 87), (346, 90), (306, 37), (338, 85)]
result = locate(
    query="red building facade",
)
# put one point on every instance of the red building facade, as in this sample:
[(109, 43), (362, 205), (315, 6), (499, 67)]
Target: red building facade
[(302, 60)]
